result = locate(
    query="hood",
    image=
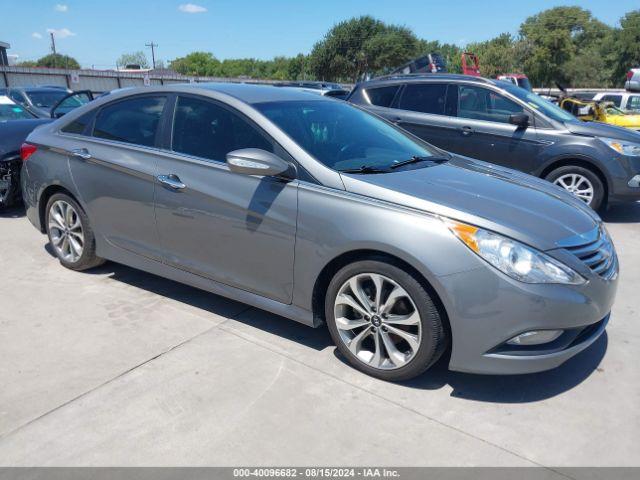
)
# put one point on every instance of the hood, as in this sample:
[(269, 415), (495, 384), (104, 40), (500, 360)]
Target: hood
[(503, 200), (14, 132), (599, 129)]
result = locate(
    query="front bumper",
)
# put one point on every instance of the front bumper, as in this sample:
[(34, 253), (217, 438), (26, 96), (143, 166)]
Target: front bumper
[(625, 186), (487, 308)]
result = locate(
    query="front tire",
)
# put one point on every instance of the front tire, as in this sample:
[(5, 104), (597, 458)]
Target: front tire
[(581, 182), (383, 320), (70, 233)]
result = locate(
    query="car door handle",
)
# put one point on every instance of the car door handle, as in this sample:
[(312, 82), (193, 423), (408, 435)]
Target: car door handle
[(172, 181), (81, 153), (466, 131), (396, 120)]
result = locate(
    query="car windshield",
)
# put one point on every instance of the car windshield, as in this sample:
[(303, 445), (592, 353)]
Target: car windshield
[(11, 111), (536, 102), (46, 99), (343, 137)]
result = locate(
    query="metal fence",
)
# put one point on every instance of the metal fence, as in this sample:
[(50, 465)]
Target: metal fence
[(99, 81)]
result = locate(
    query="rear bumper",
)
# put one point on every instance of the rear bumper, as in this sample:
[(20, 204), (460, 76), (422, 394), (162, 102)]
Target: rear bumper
[(30, 197), (488, 309)]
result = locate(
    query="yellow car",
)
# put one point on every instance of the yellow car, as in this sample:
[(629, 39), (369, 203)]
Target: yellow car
[(605, 112)]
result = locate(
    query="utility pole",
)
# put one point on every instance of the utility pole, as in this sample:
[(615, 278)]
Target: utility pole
[(53, 43), (153, 52), (53, 48)]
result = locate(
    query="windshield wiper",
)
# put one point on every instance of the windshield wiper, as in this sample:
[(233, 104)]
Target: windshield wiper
[(416, 159), (364, 170)]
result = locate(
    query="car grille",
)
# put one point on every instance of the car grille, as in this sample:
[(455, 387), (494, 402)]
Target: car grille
[(599, 255)]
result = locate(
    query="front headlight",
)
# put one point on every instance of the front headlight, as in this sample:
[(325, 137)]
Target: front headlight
[(512, 258), (622, 146)]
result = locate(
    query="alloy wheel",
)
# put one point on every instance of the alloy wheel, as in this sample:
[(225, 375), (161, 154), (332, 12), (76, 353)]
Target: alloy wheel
[(577, 184), (378, 321), (65, 231)]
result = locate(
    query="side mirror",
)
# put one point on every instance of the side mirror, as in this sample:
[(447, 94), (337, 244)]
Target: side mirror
[(254, 161), (519, 119)]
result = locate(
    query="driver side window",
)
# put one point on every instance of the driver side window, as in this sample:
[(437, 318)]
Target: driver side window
[(479, 103), (204, 129)]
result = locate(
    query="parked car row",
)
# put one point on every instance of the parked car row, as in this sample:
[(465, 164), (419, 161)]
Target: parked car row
[(17, 120), (627, 101), (324, 212)]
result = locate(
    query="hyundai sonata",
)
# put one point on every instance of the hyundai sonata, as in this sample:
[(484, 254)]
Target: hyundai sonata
[(321, 212)]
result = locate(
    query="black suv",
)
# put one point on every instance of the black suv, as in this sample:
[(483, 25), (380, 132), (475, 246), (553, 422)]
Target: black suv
[(504, 124)]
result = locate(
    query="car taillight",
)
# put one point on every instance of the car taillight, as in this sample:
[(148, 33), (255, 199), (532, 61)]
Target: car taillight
[(26, 150), (629, 75)]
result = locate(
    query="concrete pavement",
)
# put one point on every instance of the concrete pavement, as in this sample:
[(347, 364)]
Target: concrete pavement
[(119, 367)]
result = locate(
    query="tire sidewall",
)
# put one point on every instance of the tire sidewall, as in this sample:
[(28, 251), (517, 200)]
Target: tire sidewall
[(599, 200), (432, 337)]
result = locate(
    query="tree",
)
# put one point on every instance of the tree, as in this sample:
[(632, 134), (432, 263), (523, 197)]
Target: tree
[(56, 60), (626, 46), (449, 52), (361, 45), (564, 44), (502, 54), (135, 58), (298, 68), (196, 63), (554, 37)]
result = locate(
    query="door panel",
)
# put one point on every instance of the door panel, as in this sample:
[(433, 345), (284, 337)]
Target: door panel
[(499, 143), (235, 229), (435, 129), (116, 185), (422, 110), (485, 133), (115, 172)]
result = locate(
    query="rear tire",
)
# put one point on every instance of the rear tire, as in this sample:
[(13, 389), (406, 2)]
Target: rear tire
[(70, 233), (393, 331), (582, 182)]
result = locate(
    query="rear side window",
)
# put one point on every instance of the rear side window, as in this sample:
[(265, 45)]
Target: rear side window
[(425, 98), (382, 96), (482, 104), (616, 99), (633, 103), (131, 121), (79, 125), (207, 130)]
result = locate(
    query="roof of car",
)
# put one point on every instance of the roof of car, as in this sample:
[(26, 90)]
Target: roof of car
[(252, 93), (420, 77), (40, 89)]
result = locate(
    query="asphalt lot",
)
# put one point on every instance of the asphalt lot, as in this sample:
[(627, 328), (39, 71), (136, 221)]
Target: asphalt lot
[(119, 367)]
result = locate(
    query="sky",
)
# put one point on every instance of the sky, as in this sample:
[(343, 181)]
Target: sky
[(96, 32)]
